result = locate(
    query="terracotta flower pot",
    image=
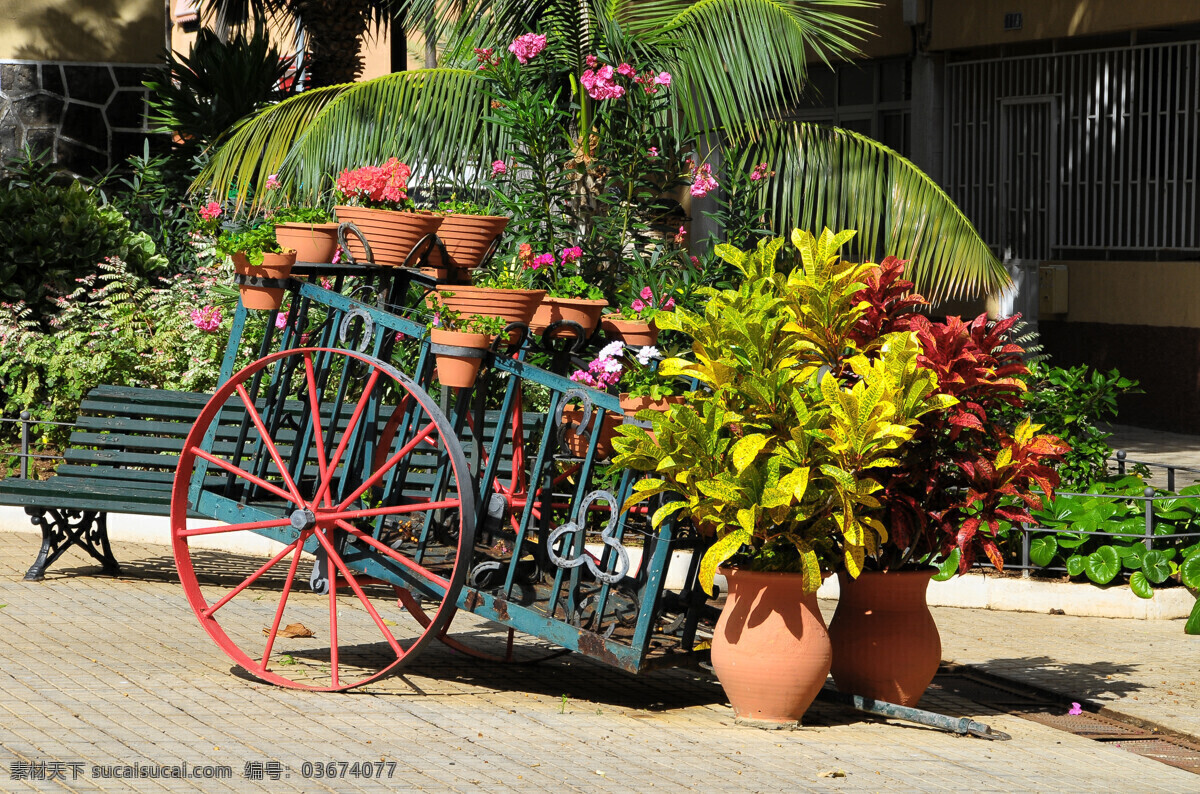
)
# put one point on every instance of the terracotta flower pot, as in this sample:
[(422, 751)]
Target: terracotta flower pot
[(584, 311), (392, 235), (885, 642), (457, 370), (770, 649), (274, 266), (511, 305), (637, 333), (577, 444), (314, 242), (467, 239)]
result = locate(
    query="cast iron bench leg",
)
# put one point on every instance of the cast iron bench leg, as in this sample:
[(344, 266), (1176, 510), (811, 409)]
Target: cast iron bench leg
[(62, 529)]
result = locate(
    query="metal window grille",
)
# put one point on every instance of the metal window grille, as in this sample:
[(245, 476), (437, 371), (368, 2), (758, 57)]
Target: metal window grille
[(1079, 153)]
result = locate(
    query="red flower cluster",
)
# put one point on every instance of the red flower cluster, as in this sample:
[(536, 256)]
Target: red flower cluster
[(382, 186)]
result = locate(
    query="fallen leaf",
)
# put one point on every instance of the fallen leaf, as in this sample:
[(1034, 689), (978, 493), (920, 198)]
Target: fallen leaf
[(292, 630), (832, 773)]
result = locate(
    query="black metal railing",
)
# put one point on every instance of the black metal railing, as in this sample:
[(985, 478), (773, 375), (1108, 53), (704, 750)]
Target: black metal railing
[(24, 457)]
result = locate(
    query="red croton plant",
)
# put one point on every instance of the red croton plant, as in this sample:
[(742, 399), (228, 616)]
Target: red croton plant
[(962, 474)]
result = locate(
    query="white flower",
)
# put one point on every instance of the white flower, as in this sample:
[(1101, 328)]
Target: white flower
[(611, 364), (611, 350), (646, 354)]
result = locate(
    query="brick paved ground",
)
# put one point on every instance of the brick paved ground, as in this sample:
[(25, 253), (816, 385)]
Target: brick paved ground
[(104, 671)]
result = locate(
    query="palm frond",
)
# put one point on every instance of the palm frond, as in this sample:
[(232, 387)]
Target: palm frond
[(739, 61), (844, 180), (433, 119), (259, 145)]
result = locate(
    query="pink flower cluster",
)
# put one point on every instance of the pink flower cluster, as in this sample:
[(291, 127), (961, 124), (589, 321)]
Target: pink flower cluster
[(703, 182), (646, 301), (604, 371), (485, 58), (572, 254), (600, 84), (526, 47), (272, 182), (759, 172), (210, 211), (207, 319), (651, 82), (540, 261), (499, 168), (383, 184)]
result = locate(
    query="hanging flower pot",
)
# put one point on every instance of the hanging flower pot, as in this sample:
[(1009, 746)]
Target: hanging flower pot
[(274, 267), (584, 311), (637, 333), (313, 242), (392, 235), (885, 642), (510, 305), (458, 356), (467, 239), (770, 649)]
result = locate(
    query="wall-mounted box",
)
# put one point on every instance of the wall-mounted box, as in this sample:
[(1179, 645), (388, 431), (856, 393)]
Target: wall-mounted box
[(1052, 290)]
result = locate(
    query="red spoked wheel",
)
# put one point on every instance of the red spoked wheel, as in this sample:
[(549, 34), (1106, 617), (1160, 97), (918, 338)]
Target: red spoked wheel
[(354, 505)]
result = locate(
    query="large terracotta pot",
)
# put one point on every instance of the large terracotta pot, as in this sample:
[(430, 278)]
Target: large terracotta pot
[(584, 311), (313, 242), (456, 370), (511, 305), (273, 266), (885, 642), (770, 649), (467, 238), (392, 235), (637, 333), (577, 444)]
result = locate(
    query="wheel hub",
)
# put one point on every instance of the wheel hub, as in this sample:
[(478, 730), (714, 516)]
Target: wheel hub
[(303, 520)]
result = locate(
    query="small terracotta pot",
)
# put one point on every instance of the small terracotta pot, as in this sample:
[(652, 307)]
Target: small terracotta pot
[(511, 305), (770, 649), (392, 235), (274, 266), (314, 242), (458, 371), (584, 311), (467, 239), (885, 642), (637, 333), (577, 444)]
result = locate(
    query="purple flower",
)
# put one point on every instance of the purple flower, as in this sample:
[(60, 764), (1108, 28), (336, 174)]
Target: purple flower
[(1076, 709)]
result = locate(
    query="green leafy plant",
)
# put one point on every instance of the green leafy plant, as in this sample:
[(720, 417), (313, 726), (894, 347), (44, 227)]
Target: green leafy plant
[(447, 319), (574, 287), (457, 206), (776, 456), (301, 215), (1064, 537), (53, 234), (202, 95), (114, 328), (252, 243), (1069, 402)]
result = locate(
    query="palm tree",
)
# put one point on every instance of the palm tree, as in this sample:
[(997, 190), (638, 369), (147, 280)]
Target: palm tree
[(739, 66)]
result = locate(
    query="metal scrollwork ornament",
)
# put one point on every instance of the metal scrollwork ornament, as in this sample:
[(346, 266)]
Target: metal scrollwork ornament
[(606, 536)]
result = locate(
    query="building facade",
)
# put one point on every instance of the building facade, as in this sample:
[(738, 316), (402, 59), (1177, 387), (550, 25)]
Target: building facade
[(1069, 132)]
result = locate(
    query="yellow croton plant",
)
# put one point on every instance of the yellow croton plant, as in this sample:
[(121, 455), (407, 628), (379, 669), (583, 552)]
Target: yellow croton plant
[(776, 450)]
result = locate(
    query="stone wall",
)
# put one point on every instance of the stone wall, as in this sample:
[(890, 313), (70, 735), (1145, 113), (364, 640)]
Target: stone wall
[(89, 116)]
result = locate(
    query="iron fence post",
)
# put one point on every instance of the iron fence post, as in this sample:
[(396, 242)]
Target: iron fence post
[(23, 466), (1170, 478), (1121, 462), (1149, 494), (1024, 549)]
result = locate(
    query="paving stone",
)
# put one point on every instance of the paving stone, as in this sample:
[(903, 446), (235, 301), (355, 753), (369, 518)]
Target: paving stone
[(118, 671)]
